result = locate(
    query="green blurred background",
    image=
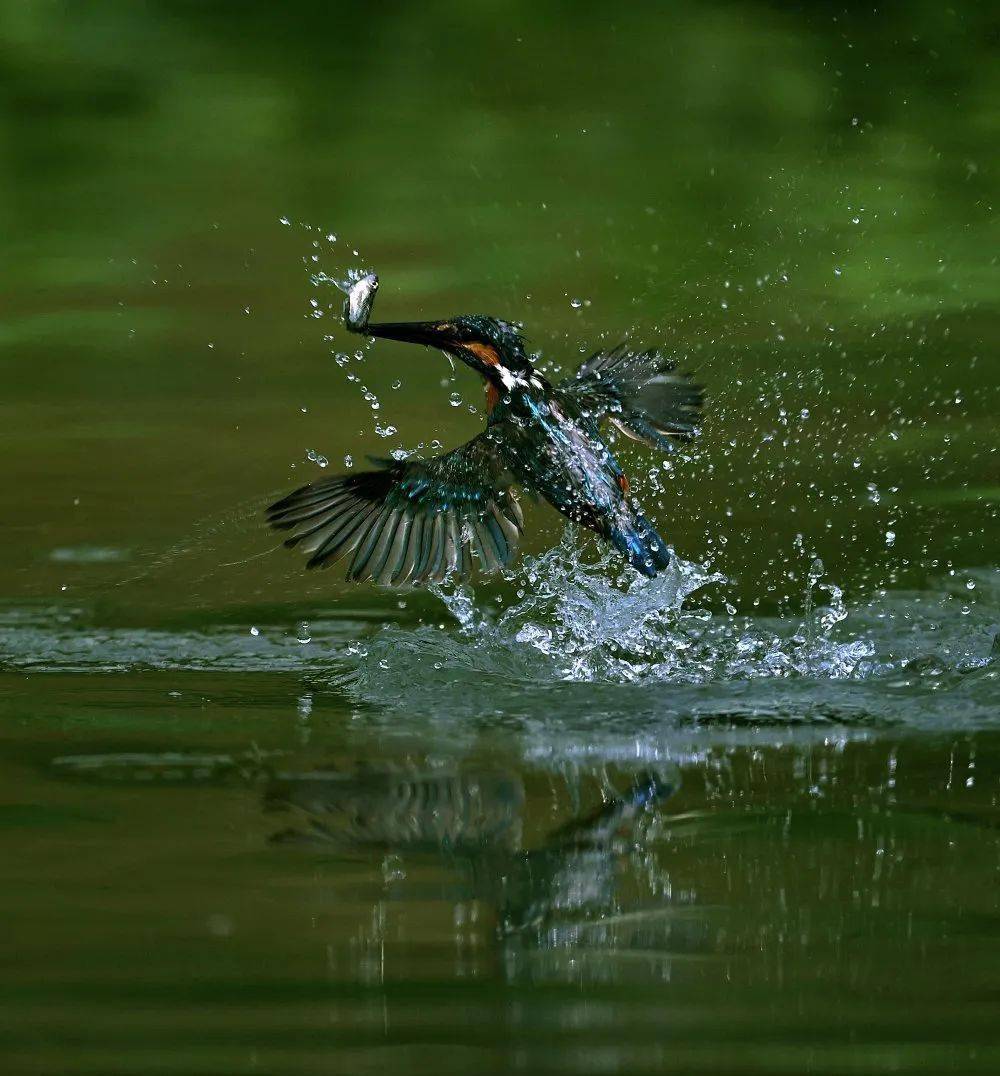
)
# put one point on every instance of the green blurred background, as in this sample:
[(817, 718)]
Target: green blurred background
[(797, 200)]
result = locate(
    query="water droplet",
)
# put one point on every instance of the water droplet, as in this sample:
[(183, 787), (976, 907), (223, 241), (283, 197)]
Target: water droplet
[(348, 460), (392, 869), (255, 631), (576, 303), (455, 399), (890, 538), (302, 634)]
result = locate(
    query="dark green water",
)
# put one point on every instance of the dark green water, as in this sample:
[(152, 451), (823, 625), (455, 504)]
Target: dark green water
[(743, 819)]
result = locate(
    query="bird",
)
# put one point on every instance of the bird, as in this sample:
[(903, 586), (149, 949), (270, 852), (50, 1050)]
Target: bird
[(419, 521)]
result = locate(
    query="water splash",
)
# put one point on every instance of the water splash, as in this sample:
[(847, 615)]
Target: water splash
[(343, 279), (587, 622)]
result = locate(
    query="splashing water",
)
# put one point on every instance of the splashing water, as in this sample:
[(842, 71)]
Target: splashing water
[(581, 656), (589, 623), (583, 622), (320, 306)]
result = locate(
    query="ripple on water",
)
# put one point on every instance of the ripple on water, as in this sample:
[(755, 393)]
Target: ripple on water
[(598, 650)]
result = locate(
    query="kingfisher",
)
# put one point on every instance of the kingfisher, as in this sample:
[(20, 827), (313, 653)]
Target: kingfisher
[(418, 521)]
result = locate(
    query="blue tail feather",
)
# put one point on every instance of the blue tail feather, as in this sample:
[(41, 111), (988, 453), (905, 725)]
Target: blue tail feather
[(638, 540)]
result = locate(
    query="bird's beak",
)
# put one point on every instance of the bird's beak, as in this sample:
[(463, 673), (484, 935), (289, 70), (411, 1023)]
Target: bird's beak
[(437, 334)]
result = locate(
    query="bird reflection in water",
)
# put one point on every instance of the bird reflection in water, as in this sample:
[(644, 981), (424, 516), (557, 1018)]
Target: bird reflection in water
[(476, 820)]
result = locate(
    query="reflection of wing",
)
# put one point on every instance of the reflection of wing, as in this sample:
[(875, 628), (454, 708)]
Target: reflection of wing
[(410, 522), (468, 810), (640, 392)]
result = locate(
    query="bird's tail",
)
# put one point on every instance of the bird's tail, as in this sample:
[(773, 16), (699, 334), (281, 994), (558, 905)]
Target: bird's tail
[(638, 539)]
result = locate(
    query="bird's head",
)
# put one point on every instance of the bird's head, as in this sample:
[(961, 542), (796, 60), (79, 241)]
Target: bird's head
[(491, 347)]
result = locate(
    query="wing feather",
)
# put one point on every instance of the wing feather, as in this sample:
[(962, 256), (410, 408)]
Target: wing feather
[(408, 558), (367, 546), (410, 522), (397, 550), (639, 392)]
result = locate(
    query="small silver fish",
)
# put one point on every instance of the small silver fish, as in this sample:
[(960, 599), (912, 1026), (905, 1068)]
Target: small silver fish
[(359, 302)]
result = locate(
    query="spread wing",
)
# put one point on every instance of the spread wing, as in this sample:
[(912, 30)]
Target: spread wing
[(408, 523), (640, 392)]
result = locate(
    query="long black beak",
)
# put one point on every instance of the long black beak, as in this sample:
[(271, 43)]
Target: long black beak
[(429, 333)]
